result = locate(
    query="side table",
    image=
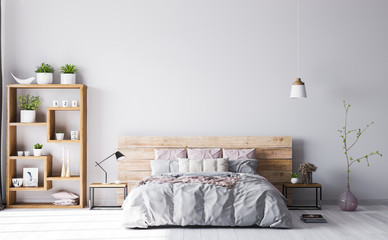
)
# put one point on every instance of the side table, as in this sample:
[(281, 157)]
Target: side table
[(108, 185), (318, 202)]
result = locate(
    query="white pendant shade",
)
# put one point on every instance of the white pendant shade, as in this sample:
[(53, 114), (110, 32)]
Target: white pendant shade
[(298, 89)]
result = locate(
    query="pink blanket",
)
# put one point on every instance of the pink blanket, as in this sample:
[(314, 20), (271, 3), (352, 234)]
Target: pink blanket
[(228, 182)]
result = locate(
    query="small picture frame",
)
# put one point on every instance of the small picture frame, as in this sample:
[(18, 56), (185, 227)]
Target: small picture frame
[(55, 103), (74, 103), (74, 135), (65, 103), (30, 177)]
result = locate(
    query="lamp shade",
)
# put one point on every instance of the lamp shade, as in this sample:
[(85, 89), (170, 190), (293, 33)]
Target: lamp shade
[(298, 89), (119, 156)]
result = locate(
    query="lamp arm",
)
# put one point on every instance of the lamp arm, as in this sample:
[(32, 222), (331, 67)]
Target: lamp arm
[(105, 159), (98, 164)]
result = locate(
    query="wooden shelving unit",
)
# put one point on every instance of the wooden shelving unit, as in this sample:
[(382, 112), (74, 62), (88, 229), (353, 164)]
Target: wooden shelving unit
[(13, 124)]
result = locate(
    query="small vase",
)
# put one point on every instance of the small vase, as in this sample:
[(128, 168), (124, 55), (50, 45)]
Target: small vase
[(27, 116), (347, 201), (68, 78), (44, 78), (307, 178), (37, 152), (294, 180)]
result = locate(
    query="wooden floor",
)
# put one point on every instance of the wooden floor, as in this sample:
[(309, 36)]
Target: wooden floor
[(369, 222)]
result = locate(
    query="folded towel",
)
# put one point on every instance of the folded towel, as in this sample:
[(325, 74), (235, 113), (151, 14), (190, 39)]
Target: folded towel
[(66, 202)]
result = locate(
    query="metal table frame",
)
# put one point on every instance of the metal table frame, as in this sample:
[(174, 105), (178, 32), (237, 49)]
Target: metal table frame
[(91, 201), (318, 203)]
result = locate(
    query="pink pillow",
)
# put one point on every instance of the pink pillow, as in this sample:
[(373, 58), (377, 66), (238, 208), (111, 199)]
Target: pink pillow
[(170, 154), (235, 154), (201, 153)]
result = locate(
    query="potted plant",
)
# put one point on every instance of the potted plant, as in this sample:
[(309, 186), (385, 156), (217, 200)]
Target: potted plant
[(347, 201), (28, 105), (38, 150), (294, 178), (44, 74), (68, 74), (60, 135), (307, 170)]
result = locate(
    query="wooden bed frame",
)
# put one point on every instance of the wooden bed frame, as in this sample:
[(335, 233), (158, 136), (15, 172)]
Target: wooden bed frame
[(274, 154)]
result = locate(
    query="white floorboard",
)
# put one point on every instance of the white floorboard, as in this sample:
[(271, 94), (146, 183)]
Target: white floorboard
[(369, 222)]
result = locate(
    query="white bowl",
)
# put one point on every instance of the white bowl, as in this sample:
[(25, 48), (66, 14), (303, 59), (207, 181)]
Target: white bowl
[(17, 182)]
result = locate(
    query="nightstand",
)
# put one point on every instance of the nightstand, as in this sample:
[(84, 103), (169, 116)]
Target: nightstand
[(93, 186), (318, 203)]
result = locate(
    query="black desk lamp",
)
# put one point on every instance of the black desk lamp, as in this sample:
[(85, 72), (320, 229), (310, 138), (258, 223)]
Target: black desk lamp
[(119, 157)]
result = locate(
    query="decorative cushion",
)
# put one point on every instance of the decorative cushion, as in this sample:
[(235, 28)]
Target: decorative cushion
[(183, 165), (210, 165), (234, 154), (243, 166), (222, 164), (170, 153), (203, 165), (195, 165), (201, 153), (65, 195), (163, 166)]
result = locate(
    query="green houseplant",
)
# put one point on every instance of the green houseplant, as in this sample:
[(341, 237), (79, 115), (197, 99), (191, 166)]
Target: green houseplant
[(28, 105), (348, 201), (44, 74), (294, 178), (68, 74), (38, 150)]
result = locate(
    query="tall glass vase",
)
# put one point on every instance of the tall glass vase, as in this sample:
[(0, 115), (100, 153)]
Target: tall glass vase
[(347, 201), (307, 178)]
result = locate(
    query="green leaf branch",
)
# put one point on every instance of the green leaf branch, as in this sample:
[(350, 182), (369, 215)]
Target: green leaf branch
[(344, 134)]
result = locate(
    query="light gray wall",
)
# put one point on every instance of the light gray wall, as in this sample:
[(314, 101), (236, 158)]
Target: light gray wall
[(218, 68)]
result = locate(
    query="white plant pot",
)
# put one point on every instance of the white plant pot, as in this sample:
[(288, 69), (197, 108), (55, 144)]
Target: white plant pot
[(44, 78), (37, 152), (60, 136), (294, 180), (68, 78), (27, 116)]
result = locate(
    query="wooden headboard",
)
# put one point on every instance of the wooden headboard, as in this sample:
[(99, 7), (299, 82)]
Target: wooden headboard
[(274, 154)]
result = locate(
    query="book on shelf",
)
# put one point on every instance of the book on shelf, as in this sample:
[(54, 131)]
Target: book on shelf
[(313, 218)]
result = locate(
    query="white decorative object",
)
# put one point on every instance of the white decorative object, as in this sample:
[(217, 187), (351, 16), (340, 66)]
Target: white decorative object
[(64, 103), (63, 172), (74, 135), (20, 153), (294, 180), (23, 81), (27, 116), (68, 164), (60, 135), (27, 153), (37, 152), (30, 177), (74, 103), (44, 78), (117, 181), (17, 182), (68, 78), (55, 103)]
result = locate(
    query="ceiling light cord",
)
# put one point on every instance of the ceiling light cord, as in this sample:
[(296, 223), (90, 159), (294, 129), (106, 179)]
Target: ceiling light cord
[(298, 38)]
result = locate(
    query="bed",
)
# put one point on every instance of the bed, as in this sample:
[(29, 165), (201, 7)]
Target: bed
[(206, 198)]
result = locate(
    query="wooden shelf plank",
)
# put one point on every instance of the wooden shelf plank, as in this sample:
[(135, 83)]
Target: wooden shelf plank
[(28, 124), (40, 205), (29, 157), (64, 141), (58, 178), (63, 108), (47, 86), (15, 189)]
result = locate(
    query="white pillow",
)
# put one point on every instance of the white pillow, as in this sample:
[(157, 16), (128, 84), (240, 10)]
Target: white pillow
[(183, 165), (195, 165), (203, 165)]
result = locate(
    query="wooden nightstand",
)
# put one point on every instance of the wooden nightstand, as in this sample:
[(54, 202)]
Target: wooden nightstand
[(93, 186), (318, 204)]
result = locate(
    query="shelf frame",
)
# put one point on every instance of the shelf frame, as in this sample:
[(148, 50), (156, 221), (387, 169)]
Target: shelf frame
[(12, 126)]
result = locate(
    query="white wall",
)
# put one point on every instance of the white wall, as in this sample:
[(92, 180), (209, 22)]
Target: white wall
[(218, 68)]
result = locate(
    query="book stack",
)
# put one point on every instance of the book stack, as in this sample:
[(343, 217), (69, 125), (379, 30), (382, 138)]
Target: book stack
[(313, 218)]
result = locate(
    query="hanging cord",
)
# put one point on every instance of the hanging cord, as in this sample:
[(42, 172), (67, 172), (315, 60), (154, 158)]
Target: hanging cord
[(297, 38)]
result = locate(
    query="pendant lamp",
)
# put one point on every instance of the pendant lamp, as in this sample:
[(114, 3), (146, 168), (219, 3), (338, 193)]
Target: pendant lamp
[(298, 89)]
